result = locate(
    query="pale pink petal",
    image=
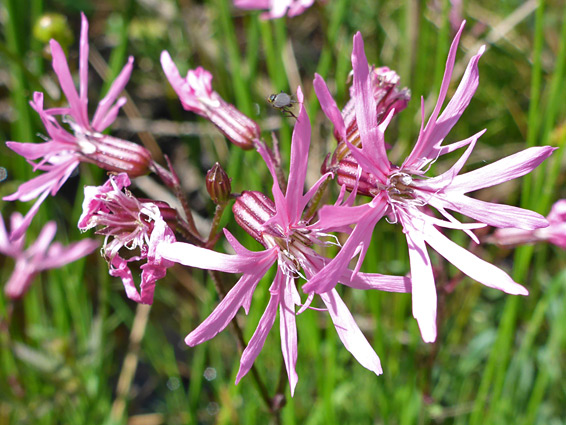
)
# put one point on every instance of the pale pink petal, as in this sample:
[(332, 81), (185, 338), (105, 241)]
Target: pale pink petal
[(257, 341), (61, 68), (59, 255), (252, 4), (505, 169), (225, 311), (440, 182), (17, 233), (288, 327), (349, 332), (40, 245), (102, 118), (424, 149), (50, 181), (424, 290), (282, 215), (468, 263), (366, 109), (336, 216), (377, 281), (20, 279), (369, 157), (111, 115), (497, 215), (33, 151), (300, 144), (83, 64), (326, 279), (5, 245), (329, 106), (119, 268), (194, 256)]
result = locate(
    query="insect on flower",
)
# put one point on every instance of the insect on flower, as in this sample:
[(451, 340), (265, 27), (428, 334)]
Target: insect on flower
[(283, 102)]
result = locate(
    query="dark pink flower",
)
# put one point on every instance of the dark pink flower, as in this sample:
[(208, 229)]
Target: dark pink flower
[(288, 240), (64, 150), (401, 193), (41, 255), (126, 222)]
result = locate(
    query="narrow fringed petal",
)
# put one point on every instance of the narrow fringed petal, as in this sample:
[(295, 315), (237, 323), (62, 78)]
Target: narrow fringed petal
[(508, 168), (329, 106), (349, 332), (226, 309), (480, 270), (300, 144), (105, 114), (288, 328), (257, 341), (424, 289), (366, 109)]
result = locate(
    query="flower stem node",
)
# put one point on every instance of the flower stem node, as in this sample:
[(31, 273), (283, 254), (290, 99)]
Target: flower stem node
[(218, 185)]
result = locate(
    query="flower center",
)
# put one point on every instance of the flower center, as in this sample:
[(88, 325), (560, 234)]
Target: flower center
[(399, 187)]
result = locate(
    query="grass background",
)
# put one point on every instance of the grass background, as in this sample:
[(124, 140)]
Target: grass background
[(75, 350)]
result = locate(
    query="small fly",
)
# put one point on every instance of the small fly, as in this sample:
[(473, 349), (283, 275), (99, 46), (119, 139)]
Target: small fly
[(283, 102)]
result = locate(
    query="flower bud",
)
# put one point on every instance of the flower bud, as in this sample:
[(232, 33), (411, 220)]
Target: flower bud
[(218, 184), (347, 175), (113, 154), (387, 96), (252, 210)]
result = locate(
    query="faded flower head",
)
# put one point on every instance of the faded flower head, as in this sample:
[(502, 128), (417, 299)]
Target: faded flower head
[(41, 254), (82, 140), (127, 222), (196, 95)]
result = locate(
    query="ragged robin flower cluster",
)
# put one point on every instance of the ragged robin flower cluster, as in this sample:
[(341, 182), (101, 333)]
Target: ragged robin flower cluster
[(290, 223)]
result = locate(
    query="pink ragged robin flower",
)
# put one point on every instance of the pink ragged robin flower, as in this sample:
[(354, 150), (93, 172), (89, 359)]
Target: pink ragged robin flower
[(196, 95), (275, 8), (41, 255), (63, 150), (288, 240), (403, 192), (129, 224), (555, 233)]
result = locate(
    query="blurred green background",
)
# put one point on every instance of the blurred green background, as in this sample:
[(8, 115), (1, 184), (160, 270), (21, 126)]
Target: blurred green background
[(75, 350)]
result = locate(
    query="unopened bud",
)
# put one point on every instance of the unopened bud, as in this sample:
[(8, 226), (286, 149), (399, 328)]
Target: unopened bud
[(117, 155), (218, 184), (387, 95), (252, 210)]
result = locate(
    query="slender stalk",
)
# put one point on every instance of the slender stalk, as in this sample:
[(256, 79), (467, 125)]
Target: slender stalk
[(130, 363)]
